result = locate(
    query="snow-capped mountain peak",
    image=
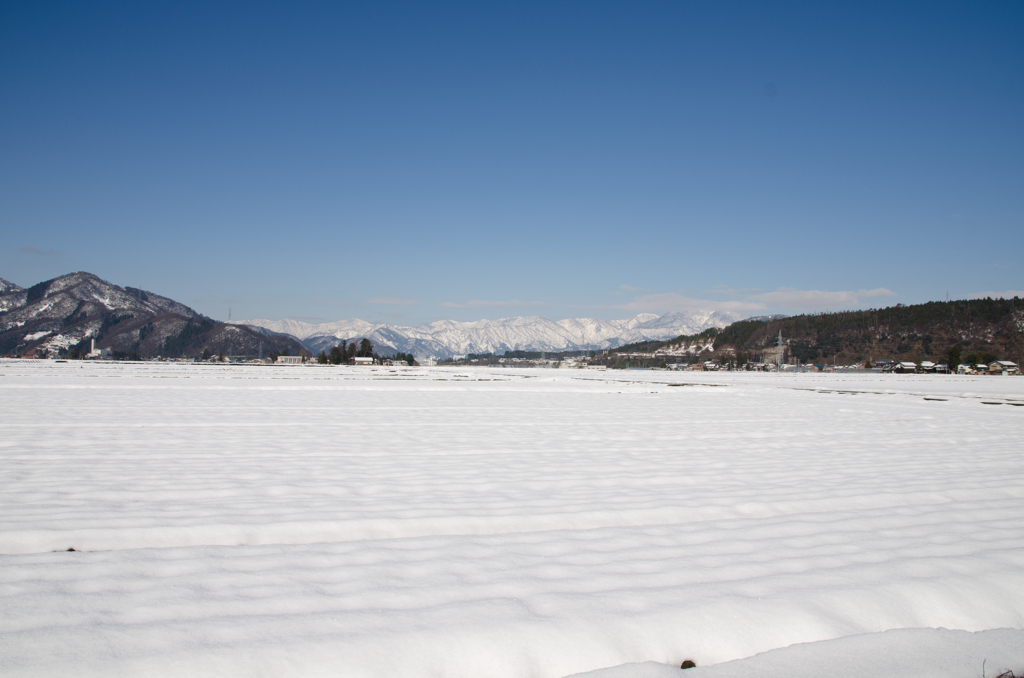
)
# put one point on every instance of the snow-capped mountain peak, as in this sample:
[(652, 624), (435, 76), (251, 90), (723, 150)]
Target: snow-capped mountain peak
[(7, 286)]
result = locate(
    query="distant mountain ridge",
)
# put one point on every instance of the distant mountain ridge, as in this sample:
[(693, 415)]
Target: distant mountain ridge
[(445, 338)]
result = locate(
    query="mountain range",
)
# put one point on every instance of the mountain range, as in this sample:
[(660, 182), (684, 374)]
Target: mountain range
[(446, 338), (64, 315)]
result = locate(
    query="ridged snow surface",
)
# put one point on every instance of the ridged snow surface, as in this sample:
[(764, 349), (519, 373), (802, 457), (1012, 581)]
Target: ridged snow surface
[(326, 521), (445, 338), (898, 653)]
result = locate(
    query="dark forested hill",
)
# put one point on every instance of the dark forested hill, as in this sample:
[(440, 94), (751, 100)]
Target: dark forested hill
[(62, 316), (986, 328)]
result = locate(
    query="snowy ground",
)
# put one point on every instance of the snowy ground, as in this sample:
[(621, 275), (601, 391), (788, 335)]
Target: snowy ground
[(315, 521)]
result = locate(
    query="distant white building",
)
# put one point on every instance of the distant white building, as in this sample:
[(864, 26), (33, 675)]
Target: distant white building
[(289, 360), (99, 354), (429, 361), (364, 361)]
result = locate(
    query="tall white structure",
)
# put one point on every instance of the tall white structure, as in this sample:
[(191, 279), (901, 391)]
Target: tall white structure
[(778, 353)]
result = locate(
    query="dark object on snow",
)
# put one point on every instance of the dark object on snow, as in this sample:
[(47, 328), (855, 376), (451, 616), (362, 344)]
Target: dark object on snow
[(71, 549), (689, 664)]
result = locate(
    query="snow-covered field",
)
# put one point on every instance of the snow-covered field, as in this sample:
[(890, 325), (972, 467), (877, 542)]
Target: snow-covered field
[(331, 521)]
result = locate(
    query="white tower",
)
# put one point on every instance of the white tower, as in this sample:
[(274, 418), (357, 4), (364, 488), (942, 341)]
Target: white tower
[(778, 354)]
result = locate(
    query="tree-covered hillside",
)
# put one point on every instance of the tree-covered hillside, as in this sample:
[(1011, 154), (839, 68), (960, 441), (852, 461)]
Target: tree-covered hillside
[(62, 317), (980, 327)]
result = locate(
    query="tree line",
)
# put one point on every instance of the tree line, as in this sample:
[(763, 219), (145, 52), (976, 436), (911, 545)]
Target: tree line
[(345, 353)]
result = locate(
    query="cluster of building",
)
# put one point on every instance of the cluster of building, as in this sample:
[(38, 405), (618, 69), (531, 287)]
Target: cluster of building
[(910, 367), (1003, 367)]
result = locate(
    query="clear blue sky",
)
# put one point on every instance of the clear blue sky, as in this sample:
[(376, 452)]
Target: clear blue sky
[(410, 162)]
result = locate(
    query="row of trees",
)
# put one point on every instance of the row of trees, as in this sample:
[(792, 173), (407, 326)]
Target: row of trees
[(954, 358), (346, 353)]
